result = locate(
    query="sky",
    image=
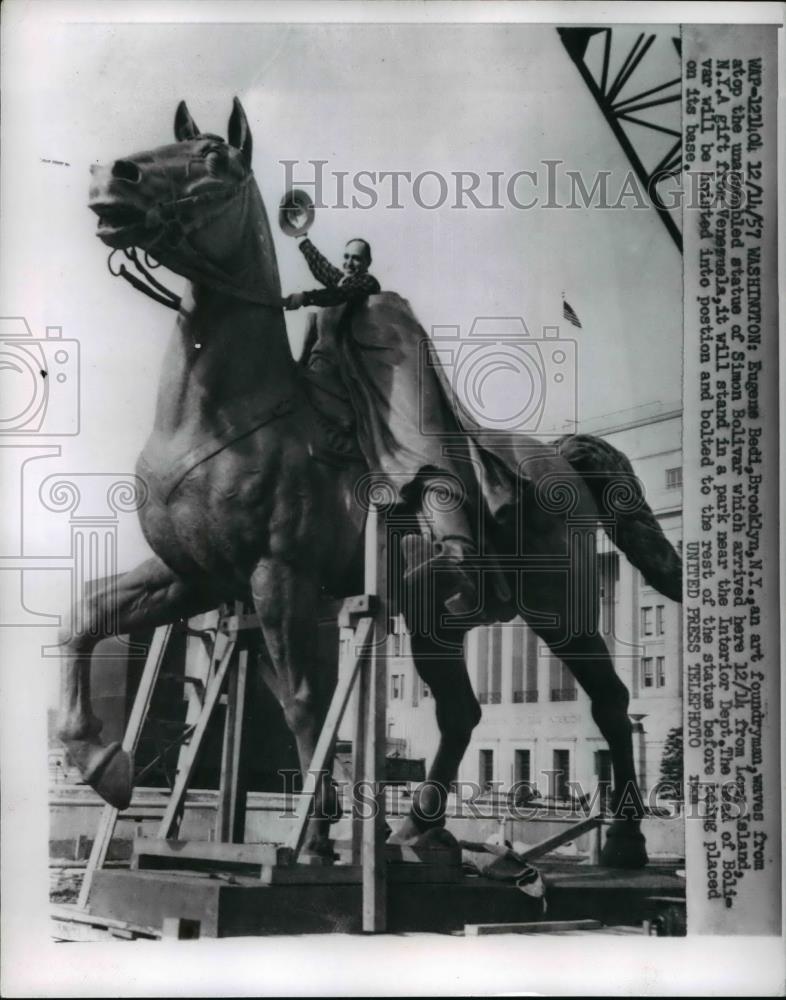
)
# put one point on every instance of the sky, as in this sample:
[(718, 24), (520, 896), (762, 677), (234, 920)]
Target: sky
[(496, 98)]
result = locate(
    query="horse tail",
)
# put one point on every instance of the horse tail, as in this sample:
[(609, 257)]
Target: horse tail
[(619, 495)]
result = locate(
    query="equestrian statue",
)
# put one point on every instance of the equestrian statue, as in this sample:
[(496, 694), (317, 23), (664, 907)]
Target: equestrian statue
[(261, 468)]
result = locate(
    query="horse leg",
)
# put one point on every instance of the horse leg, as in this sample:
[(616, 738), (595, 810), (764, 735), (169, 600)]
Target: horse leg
[(286, 602), (587, 658), (149, 595), (458, 712)]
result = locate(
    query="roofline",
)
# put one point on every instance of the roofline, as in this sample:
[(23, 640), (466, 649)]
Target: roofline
[(631, 424)]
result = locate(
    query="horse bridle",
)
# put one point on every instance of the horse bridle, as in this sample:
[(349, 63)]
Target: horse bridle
[(176, 230)]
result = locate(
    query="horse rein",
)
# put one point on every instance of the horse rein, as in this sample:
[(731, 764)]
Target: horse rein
[(154, 290), (166, 215)]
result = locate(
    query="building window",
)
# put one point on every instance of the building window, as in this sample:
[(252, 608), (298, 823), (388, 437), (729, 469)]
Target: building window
[(483, 665), (673, 478), (608, 573), (397, 687), (523, 789), (647, 676), (605, 776), (486, 768), (560, 775), (660, 611), (495, 657), (518, 637), (525, 665), (395, 637), (660, 671), (531, 686), (521, 766), (562, 683), (490, 666), (646, 621), (424, 690), (608, 577)]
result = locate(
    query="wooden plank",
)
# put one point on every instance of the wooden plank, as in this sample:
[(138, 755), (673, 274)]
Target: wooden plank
[(373, 835), (201, 636), (149, 897), (353, 875), (187, 766), (359, 761), (231, 812), (534, 927), (570, 833), (197, 850), (400, 854), (236, 906), (327, 737), (144, 694), (73, 923)]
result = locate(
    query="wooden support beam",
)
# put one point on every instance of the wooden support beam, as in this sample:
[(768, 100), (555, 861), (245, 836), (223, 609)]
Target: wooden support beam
[(187, 765), (570, 833), (144, 694), (183, 851), (330, 726), (231, 812), (534, 927), (374, 697)]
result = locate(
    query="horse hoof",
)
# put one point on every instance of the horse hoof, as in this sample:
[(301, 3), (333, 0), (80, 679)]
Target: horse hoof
[(624, 849), (107, 769)]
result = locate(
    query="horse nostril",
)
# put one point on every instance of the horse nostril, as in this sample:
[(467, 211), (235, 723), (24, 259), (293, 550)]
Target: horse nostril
[(125, 170)]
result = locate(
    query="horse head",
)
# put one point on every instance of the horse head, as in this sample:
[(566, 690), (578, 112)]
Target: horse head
[(193, 205)]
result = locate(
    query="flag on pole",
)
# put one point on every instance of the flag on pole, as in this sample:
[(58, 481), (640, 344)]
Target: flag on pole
[(570, 313)]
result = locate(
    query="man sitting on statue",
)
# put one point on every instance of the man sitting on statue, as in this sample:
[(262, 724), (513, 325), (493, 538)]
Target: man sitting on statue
[(353, 284), (372, 352)]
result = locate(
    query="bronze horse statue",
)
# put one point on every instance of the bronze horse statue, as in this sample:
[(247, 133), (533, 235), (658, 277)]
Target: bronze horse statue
[(241, 507)]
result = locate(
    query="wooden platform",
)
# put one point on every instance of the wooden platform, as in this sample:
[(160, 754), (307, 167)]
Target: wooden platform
[(612, 895), (421, 897), (232, 905)]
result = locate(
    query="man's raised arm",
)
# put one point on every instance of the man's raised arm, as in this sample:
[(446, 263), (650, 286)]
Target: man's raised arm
[(319, 265)]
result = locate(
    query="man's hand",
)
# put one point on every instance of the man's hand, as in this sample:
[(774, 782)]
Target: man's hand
[(294, 301)]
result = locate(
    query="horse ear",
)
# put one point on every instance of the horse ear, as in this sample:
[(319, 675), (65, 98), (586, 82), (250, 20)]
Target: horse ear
[(239, 133), (185, 126)]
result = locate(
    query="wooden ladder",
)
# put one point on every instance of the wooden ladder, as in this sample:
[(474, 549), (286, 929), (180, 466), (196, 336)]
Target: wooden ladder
[(221, 677)]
